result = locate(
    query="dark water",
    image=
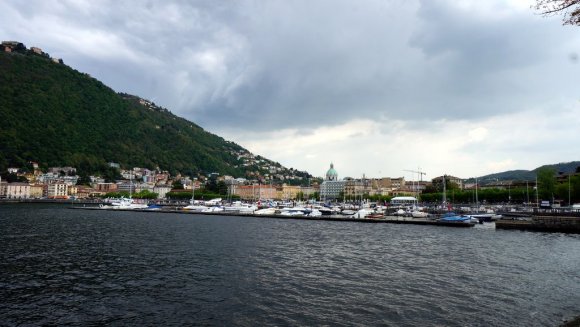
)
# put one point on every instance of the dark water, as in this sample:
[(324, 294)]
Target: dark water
[(75, 267)]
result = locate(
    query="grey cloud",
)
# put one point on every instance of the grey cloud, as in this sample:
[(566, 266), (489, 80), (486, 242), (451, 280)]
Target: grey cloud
[(299, 64)]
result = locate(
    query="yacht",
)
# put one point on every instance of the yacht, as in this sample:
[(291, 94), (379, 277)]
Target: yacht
[(195, 206), (124, 203), (240, 207)]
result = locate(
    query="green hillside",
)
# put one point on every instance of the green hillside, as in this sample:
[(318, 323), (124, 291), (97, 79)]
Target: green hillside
[(55, 115), (522, 175)]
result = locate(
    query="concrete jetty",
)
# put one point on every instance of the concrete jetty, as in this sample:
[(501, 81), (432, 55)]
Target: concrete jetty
[(557, 224), (386, 219)]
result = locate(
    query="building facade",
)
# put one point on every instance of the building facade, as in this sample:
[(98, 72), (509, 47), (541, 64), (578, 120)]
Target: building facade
[(57, 191), (331, 188), (17, 191)]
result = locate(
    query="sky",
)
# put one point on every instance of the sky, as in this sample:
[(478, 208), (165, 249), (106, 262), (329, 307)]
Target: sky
[(377, 87)]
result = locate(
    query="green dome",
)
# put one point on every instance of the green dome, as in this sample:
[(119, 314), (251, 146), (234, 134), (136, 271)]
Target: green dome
[(331, 174)]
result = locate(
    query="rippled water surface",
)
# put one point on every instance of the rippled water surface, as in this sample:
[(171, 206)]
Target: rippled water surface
[(76, 267)]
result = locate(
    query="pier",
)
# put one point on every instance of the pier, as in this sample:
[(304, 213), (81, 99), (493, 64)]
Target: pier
[(386, 219)]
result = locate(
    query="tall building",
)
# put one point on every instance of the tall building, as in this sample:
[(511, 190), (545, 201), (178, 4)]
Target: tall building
[(331, 188)]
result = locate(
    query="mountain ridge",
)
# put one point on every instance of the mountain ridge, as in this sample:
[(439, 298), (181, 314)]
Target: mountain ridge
[(57, 116), (522, 174)]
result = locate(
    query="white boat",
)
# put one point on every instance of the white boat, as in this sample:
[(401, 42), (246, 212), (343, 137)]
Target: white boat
[(125, 203), (213, 209), (362, 213), (348, 212), (239, 207), (294, 211), (314, 213), (195, 207), (213, 202), (401, 212), (419, 214), (265, 211)]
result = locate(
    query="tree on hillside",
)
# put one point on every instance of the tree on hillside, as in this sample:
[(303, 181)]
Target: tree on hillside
[(546, 183), (569, 8)]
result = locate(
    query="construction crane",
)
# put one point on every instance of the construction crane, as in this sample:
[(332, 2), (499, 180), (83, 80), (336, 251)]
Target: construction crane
[(419, 172)]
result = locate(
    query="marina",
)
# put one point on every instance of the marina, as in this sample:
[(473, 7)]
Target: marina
[(385, 219)]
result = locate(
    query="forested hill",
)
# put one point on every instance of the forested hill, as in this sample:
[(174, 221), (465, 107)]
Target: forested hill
[(57, 116), (565, 167)]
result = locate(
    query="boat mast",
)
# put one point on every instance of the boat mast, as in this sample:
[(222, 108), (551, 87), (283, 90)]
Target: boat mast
[(130, 184), (444, 193), (527, 194), (537, 196), (476, 198)]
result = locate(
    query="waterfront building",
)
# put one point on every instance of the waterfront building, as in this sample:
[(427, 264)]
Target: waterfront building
[(2, 188), (161, 190), (84, 192), (139, 187), (128, 187), (36, 191), (308, 191), (289, 192), (397, 182), (57, 191), (106, 187), (331, 188), (17, 191), (353, 188), (255, 192)]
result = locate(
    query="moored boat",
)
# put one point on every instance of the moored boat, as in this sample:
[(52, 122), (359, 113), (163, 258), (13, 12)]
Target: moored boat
[(453, 218)]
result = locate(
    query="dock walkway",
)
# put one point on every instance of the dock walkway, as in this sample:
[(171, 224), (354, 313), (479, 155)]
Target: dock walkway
[(387, 219)]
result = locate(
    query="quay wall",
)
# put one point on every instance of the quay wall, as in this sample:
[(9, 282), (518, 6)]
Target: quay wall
[(557, 224), (386, 219)]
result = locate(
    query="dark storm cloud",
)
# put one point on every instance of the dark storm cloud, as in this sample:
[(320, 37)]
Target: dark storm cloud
[(275, 64)]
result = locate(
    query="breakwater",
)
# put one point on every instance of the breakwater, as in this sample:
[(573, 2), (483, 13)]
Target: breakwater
[(557, 224)]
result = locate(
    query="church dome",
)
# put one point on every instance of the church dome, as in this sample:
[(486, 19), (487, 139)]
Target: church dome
[(331, 174)]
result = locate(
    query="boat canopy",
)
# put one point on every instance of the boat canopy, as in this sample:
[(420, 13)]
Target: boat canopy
[(403, 200)]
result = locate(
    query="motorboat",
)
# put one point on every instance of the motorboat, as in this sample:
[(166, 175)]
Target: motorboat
[(124, 203), (314, 213), (362, 213), (265, 211), (419, 214), (453, 218), (294, 211), (212, 209), (195, 206), (239, 207)]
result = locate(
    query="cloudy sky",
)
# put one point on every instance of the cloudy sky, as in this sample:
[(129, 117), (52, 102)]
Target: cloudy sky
[(462, 87)]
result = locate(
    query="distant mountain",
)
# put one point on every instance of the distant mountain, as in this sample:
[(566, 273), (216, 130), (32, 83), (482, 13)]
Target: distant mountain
[(57, 116), (565, 167)]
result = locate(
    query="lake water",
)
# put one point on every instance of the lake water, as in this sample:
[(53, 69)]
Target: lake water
[(77, 267)]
